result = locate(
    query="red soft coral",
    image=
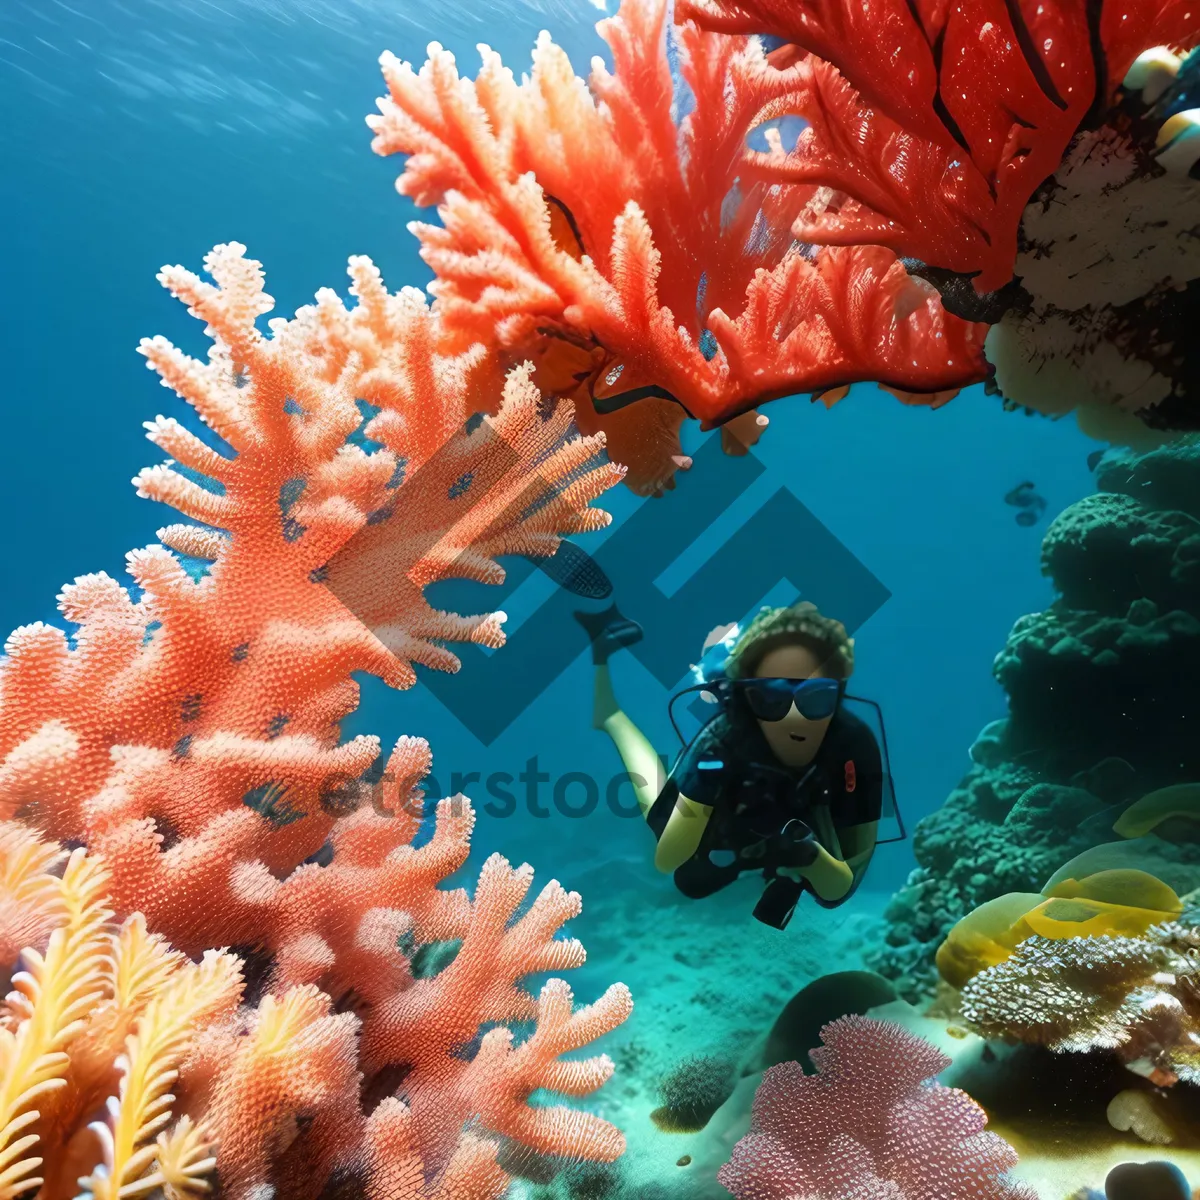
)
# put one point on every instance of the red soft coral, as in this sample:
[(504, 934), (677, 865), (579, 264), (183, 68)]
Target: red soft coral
[(609, 232), (870, 1123), (938, 121)]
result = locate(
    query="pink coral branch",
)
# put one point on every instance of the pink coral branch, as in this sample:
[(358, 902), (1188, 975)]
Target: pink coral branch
[(870, 1123)]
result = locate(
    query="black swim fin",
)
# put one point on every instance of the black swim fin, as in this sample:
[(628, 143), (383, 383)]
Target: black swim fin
[(609, 631), (576, 571)]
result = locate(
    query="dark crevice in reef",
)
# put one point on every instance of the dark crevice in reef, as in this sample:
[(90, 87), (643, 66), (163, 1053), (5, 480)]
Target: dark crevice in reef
[(1104, 707)]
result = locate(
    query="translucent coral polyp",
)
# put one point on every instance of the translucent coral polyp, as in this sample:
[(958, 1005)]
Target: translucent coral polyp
[(187, 734)]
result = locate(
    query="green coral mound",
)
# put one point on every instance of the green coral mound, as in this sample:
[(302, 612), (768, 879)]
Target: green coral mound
[(1102, 711)]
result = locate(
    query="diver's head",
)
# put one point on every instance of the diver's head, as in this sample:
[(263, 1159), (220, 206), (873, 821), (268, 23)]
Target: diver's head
[(789, 667)]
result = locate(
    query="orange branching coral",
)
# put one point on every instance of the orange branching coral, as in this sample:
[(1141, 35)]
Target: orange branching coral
[(177, 717), (395, 1165), (934, 123), (114, 1020), (244, 1074), (189, 737), (419, 1025), (618, 242)]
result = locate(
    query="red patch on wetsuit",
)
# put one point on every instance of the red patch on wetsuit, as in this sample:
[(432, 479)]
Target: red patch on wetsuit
[(851, 776)]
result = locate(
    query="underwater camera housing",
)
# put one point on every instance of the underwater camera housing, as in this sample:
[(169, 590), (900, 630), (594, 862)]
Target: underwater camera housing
[(712, 691)]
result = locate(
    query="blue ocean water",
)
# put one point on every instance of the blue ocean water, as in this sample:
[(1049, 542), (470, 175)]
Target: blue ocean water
[(143, 133), (149, 132)]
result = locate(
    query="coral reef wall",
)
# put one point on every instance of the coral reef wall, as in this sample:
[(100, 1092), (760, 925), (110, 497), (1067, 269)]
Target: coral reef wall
[(1102, 709)]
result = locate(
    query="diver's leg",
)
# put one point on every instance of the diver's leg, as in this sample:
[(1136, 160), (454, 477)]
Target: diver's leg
[(604, 699), (609, 631), (641, 761)]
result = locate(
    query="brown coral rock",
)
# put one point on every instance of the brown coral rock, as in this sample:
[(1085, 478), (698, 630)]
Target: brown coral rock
[(1136, 996)]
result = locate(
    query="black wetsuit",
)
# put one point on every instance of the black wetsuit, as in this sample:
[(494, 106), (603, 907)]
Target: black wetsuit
[(730, 768)]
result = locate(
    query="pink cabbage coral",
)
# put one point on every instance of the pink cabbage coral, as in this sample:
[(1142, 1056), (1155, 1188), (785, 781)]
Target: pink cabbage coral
[(870, 1125)]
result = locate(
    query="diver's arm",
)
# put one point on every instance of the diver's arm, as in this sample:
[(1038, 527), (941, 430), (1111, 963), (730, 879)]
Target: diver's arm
[(681, 837), (858, 844), (831, 878)]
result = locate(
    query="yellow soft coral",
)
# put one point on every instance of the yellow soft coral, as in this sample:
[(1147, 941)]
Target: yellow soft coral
[(48, 1007), (139, 966), (149, 1067), (184, 1160), (31, 902), (69, 1013), (1084, 898), (1153, 809), (985, 936), (243, 1084)]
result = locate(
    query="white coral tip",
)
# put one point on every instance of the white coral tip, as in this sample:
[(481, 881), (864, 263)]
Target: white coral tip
[(1178, 142), (1152, 73)]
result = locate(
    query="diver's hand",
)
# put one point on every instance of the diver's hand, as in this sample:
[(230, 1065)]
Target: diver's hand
[(797, 845), (829, 877), (753, 852)]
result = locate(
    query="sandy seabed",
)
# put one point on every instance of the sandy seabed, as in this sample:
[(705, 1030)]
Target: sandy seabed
[(709, 980)]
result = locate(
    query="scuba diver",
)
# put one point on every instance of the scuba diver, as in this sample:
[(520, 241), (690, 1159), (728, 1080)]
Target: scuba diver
[(784, 779)]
